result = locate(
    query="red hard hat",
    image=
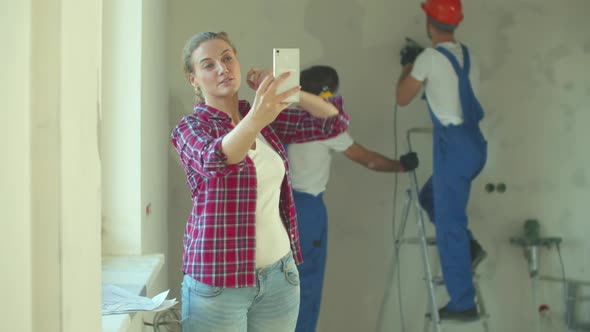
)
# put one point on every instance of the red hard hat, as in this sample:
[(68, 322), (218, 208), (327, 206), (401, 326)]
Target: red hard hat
[(444, 11)]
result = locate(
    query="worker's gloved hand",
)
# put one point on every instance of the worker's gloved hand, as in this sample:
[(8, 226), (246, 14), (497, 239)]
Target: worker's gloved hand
[(409, 161), (409, 54)]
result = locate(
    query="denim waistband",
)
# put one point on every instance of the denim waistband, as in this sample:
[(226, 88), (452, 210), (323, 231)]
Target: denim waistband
[(278, 265)]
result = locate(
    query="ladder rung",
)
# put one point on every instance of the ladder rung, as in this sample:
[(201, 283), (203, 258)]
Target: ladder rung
[(431, 241), (482, 317), (438, 280)]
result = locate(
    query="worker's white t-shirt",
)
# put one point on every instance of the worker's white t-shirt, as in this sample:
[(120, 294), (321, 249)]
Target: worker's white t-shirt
[(441, 82), (310, 162)]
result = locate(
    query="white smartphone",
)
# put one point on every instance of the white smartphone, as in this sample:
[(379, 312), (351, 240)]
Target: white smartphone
[(283, 60)]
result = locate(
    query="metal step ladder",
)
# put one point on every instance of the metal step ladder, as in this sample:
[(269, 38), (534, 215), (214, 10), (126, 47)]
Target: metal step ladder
[(433, 322)]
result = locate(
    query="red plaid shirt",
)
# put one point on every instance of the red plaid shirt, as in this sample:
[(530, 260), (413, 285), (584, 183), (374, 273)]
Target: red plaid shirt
[(219, 238)]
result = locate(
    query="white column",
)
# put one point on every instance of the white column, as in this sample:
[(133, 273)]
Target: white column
[(50, 169), (80, 167), (15, 168)]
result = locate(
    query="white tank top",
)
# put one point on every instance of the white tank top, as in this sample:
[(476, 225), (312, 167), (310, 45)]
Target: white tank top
[(272, 240)]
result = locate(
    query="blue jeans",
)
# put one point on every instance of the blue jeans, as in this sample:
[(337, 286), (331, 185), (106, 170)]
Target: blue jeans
[(273, 305)]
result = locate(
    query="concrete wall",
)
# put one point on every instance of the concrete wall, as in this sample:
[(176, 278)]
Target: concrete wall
[(535, 89)]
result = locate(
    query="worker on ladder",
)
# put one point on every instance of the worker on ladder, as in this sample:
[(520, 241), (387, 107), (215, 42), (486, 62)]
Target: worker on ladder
[(450, 77)]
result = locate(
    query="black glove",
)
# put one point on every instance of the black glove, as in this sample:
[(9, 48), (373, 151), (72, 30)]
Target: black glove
[(409, 54), (409, 161)]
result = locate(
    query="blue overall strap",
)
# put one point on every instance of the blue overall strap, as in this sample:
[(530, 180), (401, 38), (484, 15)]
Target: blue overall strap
[(472, 110), (455, 63)]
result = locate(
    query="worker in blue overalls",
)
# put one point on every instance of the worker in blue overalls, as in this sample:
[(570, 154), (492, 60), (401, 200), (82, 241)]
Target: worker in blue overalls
[(450, 77)]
